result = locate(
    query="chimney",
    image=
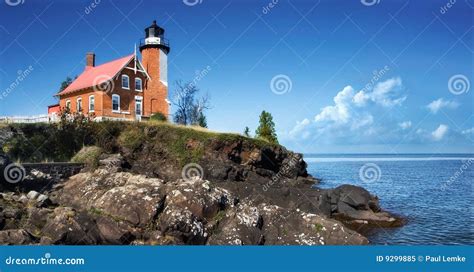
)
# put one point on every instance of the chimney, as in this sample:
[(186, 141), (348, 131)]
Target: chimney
[(90, 60)]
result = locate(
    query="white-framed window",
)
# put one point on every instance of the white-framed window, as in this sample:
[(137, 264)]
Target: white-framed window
[(115, 103), (68, 104), (125, 82), (91, 103), (79, 104), (138, 84)]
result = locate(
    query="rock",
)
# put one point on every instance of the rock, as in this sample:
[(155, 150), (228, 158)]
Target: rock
[(71, 228), (40, 199), (114, 232), (32, 195), (124, 196), (357, 208), (15, 237)]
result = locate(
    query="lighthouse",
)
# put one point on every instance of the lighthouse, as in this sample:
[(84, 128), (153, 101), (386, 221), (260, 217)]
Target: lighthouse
[(154, 49)]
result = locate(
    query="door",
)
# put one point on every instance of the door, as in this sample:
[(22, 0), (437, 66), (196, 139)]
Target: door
[(138, 107)]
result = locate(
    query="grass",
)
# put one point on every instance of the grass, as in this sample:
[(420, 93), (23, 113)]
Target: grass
[(182, 144), (89, 155)]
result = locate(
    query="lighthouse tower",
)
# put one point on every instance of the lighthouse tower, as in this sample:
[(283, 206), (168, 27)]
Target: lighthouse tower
[(154, 50)]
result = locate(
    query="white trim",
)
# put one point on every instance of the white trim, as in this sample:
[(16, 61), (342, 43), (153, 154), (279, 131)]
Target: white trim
[(141, 84), (117, 96), (89, 104), (68, 102), (128, 80), (77, 104)]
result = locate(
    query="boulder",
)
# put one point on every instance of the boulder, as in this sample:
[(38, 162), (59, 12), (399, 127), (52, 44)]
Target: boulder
[(66, 226), (15, 237)]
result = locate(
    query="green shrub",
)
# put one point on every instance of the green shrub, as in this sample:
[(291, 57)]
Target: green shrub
[(158, 117), (89, 155), (132, 138)]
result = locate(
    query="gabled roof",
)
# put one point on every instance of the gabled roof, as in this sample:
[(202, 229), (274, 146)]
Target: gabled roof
[(97, 75)]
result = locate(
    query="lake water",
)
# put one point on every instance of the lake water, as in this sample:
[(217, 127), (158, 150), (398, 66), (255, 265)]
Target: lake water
[(434, 192)]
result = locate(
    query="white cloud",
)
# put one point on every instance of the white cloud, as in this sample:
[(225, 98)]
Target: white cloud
[(299, 127), (384, 93), (405, 125), (339, 113), (440, 103), (351, 116), (468, 131), (439, 133)]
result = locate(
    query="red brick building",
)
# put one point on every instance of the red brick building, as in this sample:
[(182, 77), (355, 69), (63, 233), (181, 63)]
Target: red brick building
[(125, 88)]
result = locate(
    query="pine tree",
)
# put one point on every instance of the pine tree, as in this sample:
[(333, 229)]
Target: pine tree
[(266, 128)]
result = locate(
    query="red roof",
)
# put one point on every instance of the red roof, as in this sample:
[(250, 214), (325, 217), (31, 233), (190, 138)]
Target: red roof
[(97, 75)]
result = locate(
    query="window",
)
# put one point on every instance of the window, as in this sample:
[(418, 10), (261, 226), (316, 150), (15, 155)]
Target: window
[(91, 103), (115, 103), (68, 104), (138, 84), (125, 82), (79, 105)]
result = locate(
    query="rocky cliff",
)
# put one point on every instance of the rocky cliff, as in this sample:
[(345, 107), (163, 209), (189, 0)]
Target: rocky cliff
[(161, 184)]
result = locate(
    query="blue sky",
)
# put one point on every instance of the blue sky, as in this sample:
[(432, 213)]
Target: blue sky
[(358, 76)]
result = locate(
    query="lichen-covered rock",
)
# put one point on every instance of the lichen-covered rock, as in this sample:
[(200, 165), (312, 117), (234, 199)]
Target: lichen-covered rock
[(15, 237), (71, 228)]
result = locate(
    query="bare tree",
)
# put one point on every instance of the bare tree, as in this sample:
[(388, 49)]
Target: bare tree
[(189, 109)]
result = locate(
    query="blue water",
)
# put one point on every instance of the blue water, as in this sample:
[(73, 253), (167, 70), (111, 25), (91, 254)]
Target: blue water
[(434, 192)]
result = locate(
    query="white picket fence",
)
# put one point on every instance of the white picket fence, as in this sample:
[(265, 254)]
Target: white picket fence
[(42, 118)]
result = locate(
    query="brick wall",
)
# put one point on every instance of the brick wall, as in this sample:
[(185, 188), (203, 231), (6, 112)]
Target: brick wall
[(156, 92)]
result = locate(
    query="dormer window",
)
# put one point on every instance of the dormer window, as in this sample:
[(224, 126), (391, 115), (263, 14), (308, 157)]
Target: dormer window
[(138, 84), (125, 82)]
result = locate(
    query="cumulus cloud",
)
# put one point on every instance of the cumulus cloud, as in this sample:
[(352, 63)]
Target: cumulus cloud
[(405, 125), (339, 113), (440, 103), (351, 116), (386, 94), (299, 128), (439, 133)]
